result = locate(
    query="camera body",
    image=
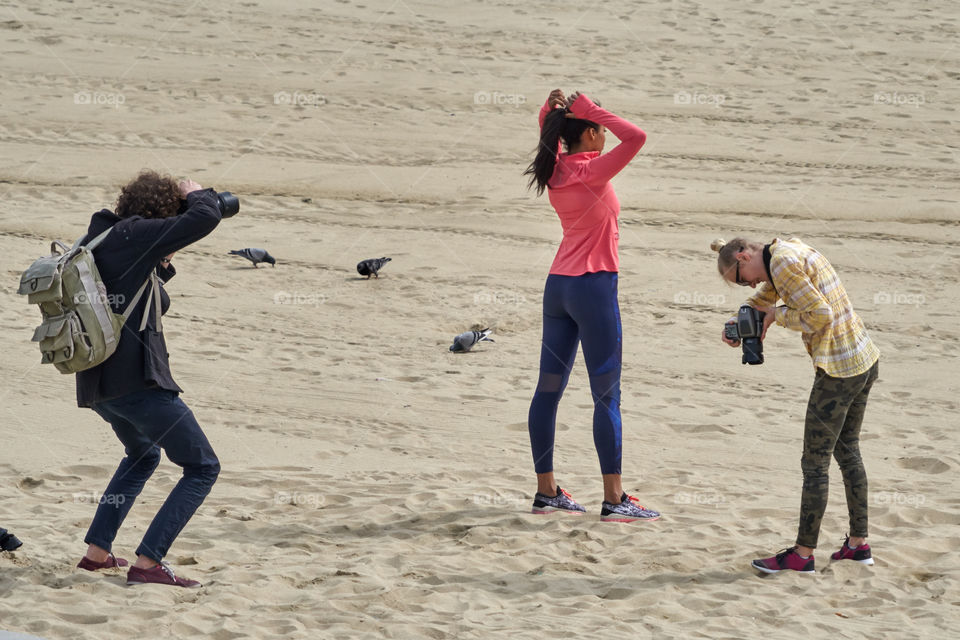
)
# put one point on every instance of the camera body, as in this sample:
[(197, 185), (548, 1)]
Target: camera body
[(747, 329)]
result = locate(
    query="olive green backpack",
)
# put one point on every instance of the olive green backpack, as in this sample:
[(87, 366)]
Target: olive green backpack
[(79, 329)]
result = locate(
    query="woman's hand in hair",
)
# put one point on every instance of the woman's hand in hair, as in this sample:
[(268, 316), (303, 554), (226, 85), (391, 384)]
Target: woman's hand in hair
[(188, 186), (570, 100), (557, 99)]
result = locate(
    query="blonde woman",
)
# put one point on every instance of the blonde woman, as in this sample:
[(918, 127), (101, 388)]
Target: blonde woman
[(845, 360)]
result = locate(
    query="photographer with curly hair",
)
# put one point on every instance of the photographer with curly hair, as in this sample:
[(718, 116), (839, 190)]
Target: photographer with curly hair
[(133, 389)]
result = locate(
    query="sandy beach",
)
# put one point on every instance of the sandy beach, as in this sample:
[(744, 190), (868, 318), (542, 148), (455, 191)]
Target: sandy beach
[(374, 484)]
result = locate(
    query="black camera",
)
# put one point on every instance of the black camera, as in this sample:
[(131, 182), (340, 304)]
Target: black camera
[(229, 204), (747, 329)]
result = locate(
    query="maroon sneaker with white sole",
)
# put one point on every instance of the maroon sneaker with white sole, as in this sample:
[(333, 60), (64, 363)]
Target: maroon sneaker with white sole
[(111, 562), (786, 560), (859, 554), (160, 574)]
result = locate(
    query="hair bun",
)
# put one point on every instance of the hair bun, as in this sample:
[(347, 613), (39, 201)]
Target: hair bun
[(718, 244)]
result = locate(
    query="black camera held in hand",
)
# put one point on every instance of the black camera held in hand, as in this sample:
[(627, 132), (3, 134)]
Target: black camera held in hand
[(228, 204), (747, 329)]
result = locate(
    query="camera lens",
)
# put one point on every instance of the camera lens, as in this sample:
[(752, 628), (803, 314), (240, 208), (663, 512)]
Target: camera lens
[(229, 204), (752, 351)]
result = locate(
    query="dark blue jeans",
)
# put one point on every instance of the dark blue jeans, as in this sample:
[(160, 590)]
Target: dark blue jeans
[(145, 422), (579, 310)]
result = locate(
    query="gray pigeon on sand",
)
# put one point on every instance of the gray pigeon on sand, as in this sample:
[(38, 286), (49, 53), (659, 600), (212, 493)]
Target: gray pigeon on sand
[(256, 256), (466, 341), (371, 267)]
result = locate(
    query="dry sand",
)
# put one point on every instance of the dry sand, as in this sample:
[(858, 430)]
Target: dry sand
[(376, 485)]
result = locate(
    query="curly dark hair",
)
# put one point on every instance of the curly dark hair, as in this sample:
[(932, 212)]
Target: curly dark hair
[(150, 195)]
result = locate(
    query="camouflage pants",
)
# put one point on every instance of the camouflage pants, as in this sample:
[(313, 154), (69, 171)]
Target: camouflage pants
[(832, 427)]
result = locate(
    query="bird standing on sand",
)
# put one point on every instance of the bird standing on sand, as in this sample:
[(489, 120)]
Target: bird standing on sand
[(371, 267), (466, 341), (256, 256), (8, 541)]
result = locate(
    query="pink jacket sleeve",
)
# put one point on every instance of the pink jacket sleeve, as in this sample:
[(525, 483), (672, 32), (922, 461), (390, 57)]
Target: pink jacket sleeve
[(544, 110), (631, 137)]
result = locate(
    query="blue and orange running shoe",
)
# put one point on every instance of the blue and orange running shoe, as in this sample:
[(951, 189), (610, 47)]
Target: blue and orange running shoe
[(561, 502), (628, 509)]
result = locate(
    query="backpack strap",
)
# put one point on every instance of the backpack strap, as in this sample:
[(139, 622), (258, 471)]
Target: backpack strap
[(93, 244), (89, 284), (133, 303), (152, 297)]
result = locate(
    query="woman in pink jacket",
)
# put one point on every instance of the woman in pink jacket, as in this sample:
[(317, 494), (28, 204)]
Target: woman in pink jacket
[(580, 297)]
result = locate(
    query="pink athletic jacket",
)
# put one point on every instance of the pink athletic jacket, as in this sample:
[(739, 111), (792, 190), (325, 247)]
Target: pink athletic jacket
[(583, 197)]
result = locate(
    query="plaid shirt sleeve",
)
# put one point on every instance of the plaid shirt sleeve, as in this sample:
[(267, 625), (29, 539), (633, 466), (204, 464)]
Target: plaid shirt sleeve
[(805, 308)]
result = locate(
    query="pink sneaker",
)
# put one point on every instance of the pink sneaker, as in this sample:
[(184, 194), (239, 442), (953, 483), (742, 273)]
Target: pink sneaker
[(788, 559), (859, 554), (111, 562), (160, 574)]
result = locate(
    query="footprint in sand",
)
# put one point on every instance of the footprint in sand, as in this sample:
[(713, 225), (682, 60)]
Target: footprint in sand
[(30, 483), (924, 465)]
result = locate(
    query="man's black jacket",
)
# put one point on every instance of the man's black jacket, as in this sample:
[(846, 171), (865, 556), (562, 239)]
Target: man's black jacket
[(125, 259)]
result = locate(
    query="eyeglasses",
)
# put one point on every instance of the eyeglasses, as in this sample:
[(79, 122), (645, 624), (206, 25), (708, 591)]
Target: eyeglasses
[(739, 281)]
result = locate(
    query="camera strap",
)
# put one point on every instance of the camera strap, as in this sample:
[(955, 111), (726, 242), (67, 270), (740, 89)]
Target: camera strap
[(767, 257)]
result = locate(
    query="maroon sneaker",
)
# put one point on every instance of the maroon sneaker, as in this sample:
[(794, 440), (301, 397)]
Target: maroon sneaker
[(788, 559), (111, 562), (859, 554), (160, 574)]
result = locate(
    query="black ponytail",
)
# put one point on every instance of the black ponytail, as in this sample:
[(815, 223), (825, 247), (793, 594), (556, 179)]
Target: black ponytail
[(556, 127)]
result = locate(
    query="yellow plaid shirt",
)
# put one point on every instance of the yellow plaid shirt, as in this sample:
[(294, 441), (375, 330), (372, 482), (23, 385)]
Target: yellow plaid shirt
[(815, 303)]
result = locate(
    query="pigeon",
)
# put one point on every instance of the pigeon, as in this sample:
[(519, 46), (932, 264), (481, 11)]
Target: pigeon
[(371, 267), (8, 541), (256, 256), (466, 341)]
